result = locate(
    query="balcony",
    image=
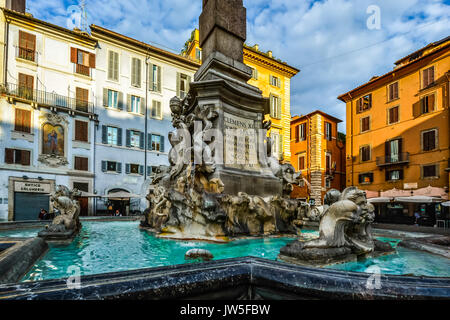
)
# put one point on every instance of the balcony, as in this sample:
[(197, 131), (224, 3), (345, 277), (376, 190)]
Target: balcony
[(83, 70), (401, 158), (49, 100), (26, 54)]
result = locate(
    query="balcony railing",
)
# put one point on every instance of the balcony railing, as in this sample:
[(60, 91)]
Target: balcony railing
[(46, 98), (26, 54), (401, 158), (83, 70)]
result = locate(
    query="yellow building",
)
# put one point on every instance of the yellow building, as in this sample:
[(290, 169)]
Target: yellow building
[(273, 78), (398, 126)]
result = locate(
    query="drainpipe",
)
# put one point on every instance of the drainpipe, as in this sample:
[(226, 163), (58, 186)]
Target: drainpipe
[(146, 116), (5, 76), (351, 138)]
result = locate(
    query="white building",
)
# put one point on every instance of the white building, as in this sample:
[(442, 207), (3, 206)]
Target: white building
[(47, 114), (125, 150)]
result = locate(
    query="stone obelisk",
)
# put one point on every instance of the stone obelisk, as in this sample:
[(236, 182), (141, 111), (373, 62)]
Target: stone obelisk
[(221, 83)]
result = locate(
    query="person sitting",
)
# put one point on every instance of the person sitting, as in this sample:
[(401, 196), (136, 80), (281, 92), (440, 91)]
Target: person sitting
[(41, 214), (118, 214)]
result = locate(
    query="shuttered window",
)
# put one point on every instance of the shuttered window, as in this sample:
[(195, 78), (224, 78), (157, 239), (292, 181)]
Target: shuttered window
[(275, 81), (365, 124), (328, 128), (81, 131), (275, 107), (27, 46), (364, 103), (301, 163), (365, 153), (26, 86), (14, 156), (393, 91), (429, 140), (393, 115), (427, 77), (82, 98), (155, 78), (428, 103), (22, 120), (183, 82), (113, 66), (81, 164), (156, 109), (136, 72)]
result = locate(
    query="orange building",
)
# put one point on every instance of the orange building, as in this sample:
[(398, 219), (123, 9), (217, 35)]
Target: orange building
[(398, 125), (318, 151)]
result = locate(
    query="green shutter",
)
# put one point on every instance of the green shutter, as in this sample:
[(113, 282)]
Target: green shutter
[(128, 138), (143, 106), (162, 144), (127, 168), (149, 142), (104, 166), (116, 66), (279, 108), (159, 79), (138, 72), (105, 97), (119, 167), (119, 137), (272, 113), (178, 84), (111, 65), (281, 145), (133, 72), (120, 101), (150, 78), (141, 140), (128, 102), (104, 134), (141, 170)]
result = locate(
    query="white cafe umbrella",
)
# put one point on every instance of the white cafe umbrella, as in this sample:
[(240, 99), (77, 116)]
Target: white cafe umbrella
[(380, 200), (417, 199), (445, 204), (121, 196)]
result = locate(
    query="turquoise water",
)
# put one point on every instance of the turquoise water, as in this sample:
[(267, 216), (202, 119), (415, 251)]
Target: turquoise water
[(20, 233), (103, 247)]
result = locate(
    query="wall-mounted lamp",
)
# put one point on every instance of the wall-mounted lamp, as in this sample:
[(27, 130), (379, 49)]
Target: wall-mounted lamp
[(40, 178), (25, 177)]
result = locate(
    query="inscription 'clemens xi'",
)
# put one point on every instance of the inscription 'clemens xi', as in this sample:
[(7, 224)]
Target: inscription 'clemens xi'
[(240, 148)]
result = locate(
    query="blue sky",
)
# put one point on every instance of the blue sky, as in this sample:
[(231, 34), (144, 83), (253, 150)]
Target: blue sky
[(327, 39)]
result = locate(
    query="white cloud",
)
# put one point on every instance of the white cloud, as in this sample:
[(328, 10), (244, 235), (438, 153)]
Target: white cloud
[(321, 38)]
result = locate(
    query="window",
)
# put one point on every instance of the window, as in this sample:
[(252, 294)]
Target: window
[(328, 134), (275, 81), (302, 132), (393, 91), (135, 139), (136, 72), (393, 149), (254, 73), (427, 77), (328, 163), (83, 61), (427, 103), (111, 98), (365, 153), (365, 124), (81, 164), (365, 178), (113, 136), (301, 162), (81, 131), (275, 107), (135, 104), (198, 54), (26, 86), (327, 183), (156, 111), (81, 186), (27, 46), (14, 156), (156, 143), (277, 144), (429, 140), (182, 85), (82, 98), (364, 103), (111, 166), (132, 168), (430, 171), (394, 175), (22, 120), (393, 115), (155, 78), (113, 66)]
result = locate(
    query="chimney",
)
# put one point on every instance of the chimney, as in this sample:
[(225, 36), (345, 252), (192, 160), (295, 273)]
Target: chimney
[(270, 54), (256, 47), (16, 5)]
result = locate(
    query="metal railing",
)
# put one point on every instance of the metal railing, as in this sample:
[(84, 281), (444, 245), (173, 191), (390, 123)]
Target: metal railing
[(83, 70), (26, 54), (46, 98), (393, 159)]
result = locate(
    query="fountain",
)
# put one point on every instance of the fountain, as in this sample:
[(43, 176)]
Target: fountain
[(201, 196), (66, 225), (345, 233)]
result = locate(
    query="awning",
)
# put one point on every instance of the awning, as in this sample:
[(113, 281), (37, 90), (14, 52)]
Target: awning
[(371, 194), (395, 193), (431, 192), (418, 199), (89, 195), (122, 195), (380, 200)]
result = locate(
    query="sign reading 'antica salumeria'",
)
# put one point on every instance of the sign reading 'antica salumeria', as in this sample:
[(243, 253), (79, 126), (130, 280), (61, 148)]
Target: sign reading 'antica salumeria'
[(240, 149), (34, 187)]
